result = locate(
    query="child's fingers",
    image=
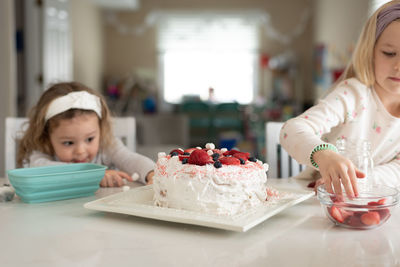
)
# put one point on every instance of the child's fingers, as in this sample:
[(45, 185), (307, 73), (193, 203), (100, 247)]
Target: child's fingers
[(110, 182), (353, 180), (328, 184), (103, 182), (126, 176), (337, 186), (118, 181), (348, 185)]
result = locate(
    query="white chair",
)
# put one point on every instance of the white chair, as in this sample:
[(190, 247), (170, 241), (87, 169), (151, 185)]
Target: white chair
[(15, 128), (281, 165), (124, 128)]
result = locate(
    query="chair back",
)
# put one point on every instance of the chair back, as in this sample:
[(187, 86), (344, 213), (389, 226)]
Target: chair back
[(281, 165), (124, 128), (15, 128)]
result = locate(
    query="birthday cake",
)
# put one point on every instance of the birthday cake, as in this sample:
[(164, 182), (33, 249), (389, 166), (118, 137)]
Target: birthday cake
[(216, 181)]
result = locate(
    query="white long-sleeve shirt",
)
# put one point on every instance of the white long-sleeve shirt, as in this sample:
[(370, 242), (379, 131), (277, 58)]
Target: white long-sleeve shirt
[(118, 157), (352, 112)]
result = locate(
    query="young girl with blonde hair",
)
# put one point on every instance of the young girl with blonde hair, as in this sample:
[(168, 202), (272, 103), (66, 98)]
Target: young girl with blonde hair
[(363, 105), (71, 123)]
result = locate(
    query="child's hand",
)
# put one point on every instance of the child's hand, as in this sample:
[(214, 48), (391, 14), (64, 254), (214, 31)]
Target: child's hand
[(149, 178), (114, 178), (337, 170), (314, 184)]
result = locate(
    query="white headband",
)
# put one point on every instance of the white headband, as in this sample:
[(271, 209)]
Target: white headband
[(79, 100)]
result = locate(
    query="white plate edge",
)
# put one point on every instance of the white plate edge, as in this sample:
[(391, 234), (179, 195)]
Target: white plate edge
[(239, 225)]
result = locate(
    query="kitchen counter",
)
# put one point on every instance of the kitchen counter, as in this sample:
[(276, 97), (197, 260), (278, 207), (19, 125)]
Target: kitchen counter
[(64, 233)]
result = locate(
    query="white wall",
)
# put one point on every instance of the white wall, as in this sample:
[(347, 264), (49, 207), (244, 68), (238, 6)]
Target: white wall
[(338, 23), (87, 43), (7, 70), (337, 26)]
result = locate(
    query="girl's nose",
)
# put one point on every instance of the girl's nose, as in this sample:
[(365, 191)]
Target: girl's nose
[(80, 149), (397, 66)]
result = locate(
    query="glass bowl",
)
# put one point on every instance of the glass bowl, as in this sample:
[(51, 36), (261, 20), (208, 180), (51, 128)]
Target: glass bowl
[(369, 210)]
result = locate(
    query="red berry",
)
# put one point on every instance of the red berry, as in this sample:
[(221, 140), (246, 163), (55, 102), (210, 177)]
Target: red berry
[(354, 221), (384, 214), (242, 155), (382, 201), (335, 213), (190, 150), (373, 203), (231, 152), (229, 161), (346, 213), (370, 218), (311, 184), (199, 157)]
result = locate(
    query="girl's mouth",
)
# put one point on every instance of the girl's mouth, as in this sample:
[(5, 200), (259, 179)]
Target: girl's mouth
[(79, 161)]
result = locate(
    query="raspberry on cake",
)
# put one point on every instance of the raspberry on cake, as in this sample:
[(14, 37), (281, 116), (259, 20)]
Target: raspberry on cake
[(216, 181)]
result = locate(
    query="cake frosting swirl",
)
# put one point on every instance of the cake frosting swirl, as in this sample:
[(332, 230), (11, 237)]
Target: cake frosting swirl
[(209, 180)]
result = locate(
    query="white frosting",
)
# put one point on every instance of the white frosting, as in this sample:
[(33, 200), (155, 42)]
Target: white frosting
[(226, 190)]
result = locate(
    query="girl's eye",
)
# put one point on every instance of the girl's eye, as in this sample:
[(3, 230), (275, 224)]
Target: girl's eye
[(389, 54), (68, 143), (90, 139)]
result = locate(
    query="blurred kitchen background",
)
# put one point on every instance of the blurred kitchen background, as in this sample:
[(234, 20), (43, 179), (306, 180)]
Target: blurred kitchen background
[(189, 71)]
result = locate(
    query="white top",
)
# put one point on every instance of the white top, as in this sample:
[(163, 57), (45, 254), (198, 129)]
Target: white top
[(118, 157), (353, 112)]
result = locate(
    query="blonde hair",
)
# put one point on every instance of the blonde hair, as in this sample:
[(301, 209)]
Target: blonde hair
[(361, 65), (37, 136)]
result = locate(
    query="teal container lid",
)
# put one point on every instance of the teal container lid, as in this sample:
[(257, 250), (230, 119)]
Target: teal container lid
[(56, 182)]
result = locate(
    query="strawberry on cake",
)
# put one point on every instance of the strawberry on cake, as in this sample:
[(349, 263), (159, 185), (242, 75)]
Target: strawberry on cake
[(216, 181)]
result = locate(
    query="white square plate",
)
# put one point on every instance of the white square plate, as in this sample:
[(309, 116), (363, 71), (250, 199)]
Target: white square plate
[(139, 202)]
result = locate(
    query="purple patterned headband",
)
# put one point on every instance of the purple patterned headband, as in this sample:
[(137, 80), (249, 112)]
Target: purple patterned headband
[(385, 17)]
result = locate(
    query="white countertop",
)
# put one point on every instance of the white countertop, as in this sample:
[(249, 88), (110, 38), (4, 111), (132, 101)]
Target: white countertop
[(63, 233)]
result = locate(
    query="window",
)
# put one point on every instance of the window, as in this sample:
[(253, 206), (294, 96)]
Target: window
[(57, 51), (198, 52)]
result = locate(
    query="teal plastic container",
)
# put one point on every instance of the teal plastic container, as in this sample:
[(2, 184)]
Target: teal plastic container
[(49, 183)]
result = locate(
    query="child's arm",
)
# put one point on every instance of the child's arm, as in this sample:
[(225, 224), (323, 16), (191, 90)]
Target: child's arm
[(130, 162), (299, 136)]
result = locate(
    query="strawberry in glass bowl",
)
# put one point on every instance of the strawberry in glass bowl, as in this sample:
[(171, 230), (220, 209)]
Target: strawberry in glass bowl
[(369, 210)]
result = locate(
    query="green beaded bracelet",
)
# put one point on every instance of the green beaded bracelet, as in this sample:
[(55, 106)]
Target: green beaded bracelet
[(320, 147)]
